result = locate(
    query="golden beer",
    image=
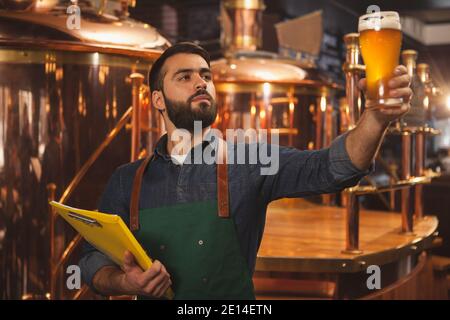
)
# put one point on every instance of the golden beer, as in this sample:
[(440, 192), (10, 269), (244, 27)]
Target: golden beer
[(380, 39)]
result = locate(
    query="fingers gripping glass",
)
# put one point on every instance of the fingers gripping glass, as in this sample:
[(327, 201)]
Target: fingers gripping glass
[(380, 39)]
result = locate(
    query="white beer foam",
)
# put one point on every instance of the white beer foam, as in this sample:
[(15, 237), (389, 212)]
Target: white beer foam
[(379, 20)]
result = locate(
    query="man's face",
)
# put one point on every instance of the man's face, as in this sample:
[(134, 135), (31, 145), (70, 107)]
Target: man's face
[(188, 90)]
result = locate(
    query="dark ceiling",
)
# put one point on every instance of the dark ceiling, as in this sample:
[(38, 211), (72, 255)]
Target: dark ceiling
[(428, 11)]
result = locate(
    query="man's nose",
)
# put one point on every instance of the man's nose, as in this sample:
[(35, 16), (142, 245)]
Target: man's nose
[(200, 83)]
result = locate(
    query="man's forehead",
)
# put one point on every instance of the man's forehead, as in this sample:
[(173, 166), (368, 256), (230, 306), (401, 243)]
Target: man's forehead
[(185, 61)]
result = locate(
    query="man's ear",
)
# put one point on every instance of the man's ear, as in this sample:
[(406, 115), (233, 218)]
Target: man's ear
[(158, 100)]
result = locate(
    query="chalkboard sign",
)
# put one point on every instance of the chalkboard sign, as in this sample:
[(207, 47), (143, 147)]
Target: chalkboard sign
[(332, 56)]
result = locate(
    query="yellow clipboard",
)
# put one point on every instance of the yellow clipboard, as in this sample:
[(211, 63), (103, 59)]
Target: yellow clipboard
[(108, 233)]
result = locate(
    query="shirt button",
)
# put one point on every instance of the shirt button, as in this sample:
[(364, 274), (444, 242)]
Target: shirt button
[(205, 280), (162, 247), (200, 242)]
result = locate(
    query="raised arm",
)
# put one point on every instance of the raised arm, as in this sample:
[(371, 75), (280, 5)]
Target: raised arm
[(344, 163)]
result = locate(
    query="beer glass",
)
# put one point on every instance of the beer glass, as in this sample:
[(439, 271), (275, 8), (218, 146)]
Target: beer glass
[(380, 39)]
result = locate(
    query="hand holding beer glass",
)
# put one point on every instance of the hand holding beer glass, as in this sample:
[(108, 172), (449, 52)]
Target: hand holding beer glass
[(380, 42)]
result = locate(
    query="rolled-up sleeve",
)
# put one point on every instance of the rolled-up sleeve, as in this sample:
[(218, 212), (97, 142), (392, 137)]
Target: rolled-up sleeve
[(308, 172), (112, 202), (91, 262), (344, 172)]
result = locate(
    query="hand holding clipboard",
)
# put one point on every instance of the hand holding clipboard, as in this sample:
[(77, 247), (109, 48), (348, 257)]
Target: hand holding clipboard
[(109, 234)]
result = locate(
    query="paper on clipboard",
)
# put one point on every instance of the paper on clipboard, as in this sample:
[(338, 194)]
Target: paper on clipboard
[(108, 233)]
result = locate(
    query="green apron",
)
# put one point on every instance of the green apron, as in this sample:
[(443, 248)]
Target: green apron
[(198, 247)]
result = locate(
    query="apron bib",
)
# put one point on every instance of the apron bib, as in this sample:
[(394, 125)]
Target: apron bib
[(196, 242), (199, 250)]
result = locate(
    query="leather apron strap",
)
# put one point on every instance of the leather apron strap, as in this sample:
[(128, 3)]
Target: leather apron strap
[(222, 187), (135, 193), (222, 180)]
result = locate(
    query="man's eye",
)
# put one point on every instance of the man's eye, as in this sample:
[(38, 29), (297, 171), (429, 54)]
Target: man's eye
[(185, 77), (207, 77)]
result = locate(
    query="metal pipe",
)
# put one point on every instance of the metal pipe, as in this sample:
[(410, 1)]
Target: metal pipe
[(419, 170), (51, 189), (66, 255), (352, 225), (409, 58), (419, 154), (393, 172), (319, 125), (136, 79), (406, 155), (80, 292), (328, 126), (407, 218), (352, 70), (327, 139), (241, 22), (423, 71), (399, 185)]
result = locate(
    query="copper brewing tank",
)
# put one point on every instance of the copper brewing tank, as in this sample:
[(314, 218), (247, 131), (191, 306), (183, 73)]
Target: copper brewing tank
[(62, 91), (262, 90)]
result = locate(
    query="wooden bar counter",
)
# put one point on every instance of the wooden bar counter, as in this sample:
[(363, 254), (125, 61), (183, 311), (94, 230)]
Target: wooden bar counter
[(302, 254)]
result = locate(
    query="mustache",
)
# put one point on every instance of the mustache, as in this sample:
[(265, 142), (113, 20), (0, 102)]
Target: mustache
[(199, 93)]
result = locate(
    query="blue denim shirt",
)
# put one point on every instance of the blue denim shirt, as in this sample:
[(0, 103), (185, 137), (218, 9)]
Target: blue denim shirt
[(300, 173)]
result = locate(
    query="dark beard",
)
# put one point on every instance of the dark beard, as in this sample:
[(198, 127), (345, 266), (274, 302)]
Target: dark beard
[(183, 116)]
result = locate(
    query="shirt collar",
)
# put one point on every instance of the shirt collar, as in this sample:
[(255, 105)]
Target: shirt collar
[(161, 148)]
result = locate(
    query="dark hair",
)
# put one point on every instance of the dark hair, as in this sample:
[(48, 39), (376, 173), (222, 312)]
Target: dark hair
[(156, 77)]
